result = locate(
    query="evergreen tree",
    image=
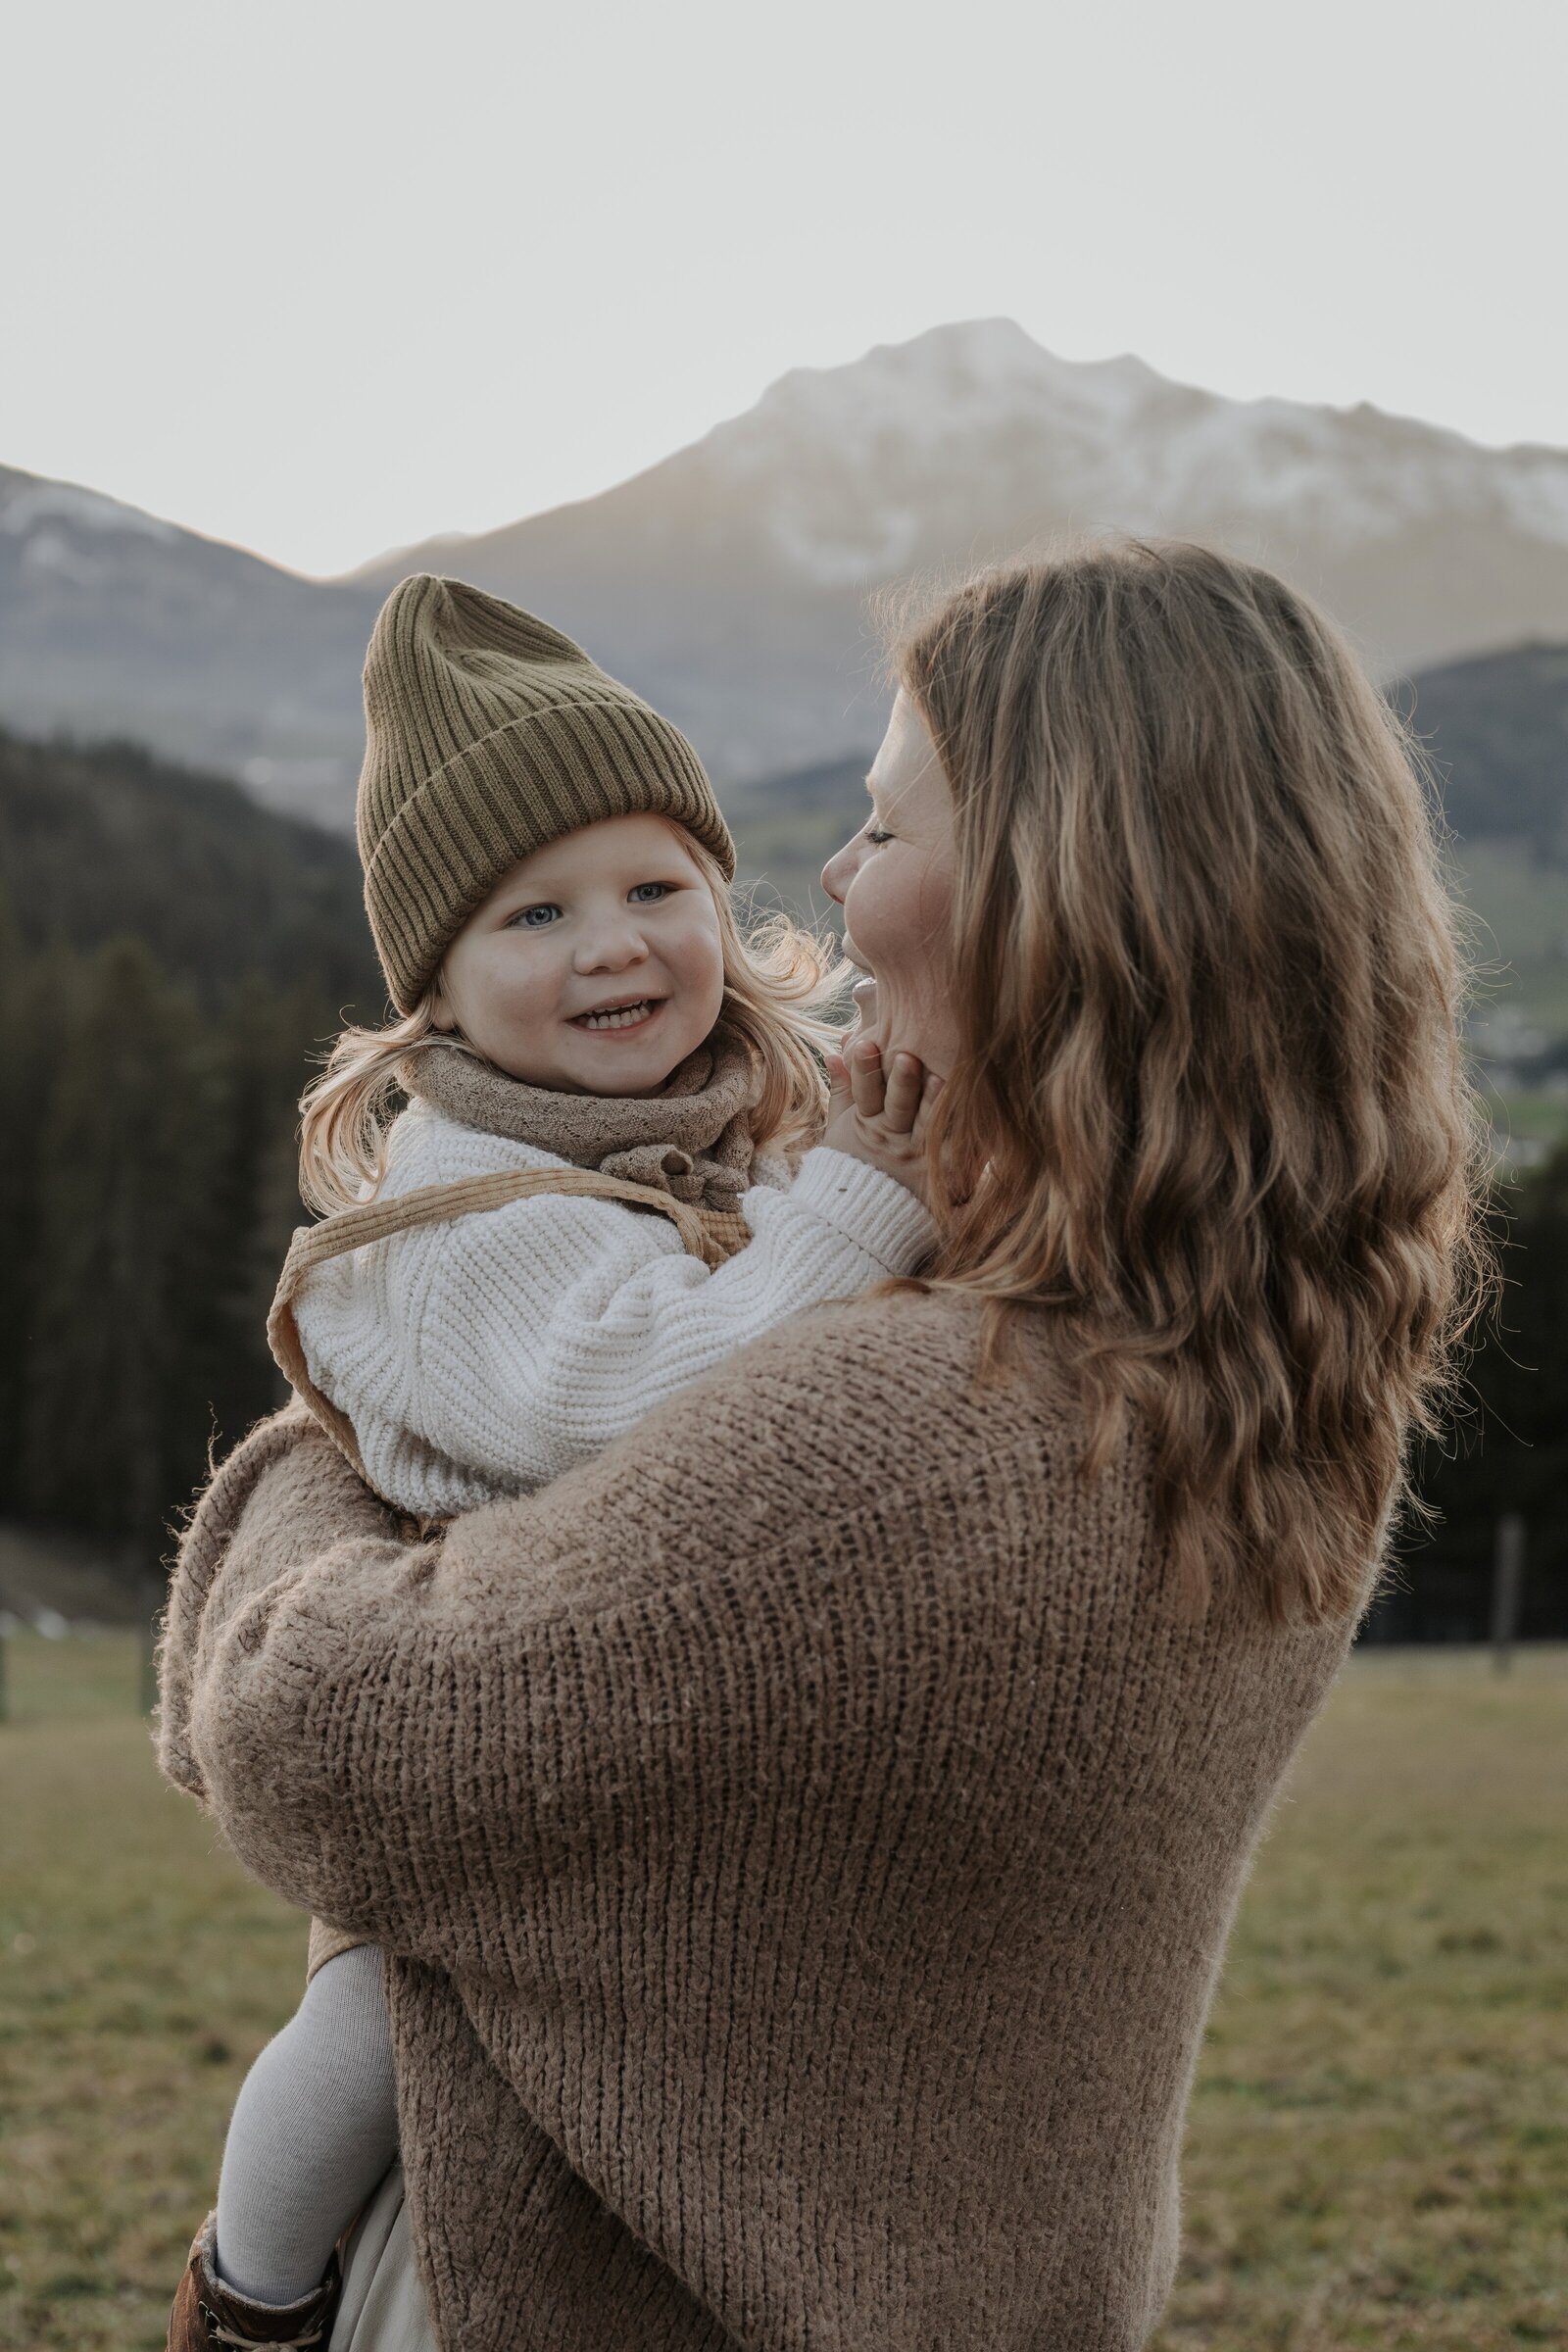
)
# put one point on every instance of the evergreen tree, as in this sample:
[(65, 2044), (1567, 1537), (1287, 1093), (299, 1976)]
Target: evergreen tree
[(37, 1000), (127, 1140), (1507, 1449)]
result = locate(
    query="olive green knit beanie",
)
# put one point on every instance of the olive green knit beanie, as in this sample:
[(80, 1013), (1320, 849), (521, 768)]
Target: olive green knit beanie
[(488, 734)]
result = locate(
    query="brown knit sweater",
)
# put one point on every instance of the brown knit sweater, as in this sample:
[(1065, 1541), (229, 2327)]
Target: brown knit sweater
[(809, 1836)]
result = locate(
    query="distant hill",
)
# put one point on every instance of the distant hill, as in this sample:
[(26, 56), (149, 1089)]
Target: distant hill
[(731, 582), (95, 840), (1497, 729), (787, 827), (101, 842), (115, 623), (104, 838)]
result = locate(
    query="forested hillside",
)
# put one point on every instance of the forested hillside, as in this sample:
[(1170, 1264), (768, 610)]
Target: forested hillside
[(104, 840), (169, 957), (1494, 730), (1497, 730), (172, 956)]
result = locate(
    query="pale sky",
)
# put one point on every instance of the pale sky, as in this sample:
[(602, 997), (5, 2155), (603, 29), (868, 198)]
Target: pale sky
[(325, 277)]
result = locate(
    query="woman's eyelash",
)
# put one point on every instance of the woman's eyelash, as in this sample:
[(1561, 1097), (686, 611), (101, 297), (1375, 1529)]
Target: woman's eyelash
[(878, 834)]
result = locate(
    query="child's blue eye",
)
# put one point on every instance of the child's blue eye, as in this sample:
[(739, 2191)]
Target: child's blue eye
[(523, 918), (638, 899)]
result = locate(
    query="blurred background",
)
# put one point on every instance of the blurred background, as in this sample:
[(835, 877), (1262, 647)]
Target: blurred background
[(697, 331)]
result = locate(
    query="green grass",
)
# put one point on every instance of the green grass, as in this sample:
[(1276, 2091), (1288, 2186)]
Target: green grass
[(140, 1972), (1379, 2147), (1378, 2153)]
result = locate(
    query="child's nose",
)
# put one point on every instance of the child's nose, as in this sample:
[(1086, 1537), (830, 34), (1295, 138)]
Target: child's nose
[(611, 948)]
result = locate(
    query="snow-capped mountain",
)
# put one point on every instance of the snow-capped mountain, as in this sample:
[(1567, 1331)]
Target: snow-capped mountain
[(113, 622), (731, 581), (871, 467)]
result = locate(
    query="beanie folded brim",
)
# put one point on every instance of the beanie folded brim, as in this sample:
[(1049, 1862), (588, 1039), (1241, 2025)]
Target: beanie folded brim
[(585, 759), (488, 734)]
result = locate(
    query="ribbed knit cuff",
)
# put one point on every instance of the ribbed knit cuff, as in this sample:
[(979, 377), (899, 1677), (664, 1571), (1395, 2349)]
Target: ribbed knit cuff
[(877, 1213)]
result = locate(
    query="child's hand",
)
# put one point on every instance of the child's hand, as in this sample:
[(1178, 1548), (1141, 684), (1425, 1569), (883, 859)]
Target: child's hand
[(880, 1115)]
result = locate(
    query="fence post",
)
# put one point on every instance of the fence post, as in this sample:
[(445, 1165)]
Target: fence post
[(1508, 1585)]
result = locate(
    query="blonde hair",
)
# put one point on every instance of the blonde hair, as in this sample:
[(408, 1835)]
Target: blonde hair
[(1210, 1113), (781, 985)]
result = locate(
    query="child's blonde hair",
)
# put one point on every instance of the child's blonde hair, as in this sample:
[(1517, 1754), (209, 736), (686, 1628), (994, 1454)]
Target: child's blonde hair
[(781, 987)]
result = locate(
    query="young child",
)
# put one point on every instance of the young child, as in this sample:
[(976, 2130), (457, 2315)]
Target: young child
[(626, 1095)]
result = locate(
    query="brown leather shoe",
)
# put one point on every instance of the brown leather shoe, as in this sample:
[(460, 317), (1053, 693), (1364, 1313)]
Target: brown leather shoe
[(209, 2317)]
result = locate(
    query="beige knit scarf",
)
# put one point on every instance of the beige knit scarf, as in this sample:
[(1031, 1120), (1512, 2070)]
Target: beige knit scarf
[(685, 1152), (692, 1139)]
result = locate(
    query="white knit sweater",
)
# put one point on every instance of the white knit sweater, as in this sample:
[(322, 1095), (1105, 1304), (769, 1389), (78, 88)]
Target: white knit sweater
[(485, 1357)]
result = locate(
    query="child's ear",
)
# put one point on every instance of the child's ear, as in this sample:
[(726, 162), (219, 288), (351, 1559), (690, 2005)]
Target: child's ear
[(442, 1016)]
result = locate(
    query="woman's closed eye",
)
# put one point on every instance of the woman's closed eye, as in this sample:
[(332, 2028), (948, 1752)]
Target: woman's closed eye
[(876, 834)]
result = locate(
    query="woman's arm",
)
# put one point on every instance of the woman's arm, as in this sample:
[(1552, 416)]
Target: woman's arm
[(282, 1495), (443, 1747)]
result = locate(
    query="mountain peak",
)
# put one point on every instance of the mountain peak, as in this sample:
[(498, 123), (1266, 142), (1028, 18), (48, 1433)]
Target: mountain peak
[(961, 378), (729, 582)]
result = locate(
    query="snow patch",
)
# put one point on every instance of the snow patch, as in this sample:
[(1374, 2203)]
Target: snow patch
[(852, 469), (51, 550), (89, 510), (884, 543), (1534, 492)]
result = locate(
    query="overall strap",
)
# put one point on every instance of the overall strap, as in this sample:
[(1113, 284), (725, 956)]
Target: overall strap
[(712, 1235)]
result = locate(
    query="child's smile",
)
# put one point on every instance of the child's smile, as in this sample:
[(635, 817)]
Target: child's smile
[(596, 964), (621, 1013)]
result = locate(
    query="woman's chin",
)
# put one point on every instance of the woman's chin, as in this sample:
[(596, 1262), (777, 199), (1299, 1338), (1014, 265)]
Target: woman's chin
[(864, 998)]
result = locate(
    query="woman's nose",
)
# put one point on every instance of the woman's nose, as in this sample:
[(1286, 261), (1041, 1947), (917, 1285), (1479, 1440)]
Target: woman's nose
[(837, 872)]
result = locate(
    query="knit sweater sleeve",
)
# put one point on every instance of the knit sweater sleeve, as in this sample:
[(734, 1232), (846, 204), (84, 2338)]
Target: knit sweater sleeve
[(434, 1745), (495, 1355)]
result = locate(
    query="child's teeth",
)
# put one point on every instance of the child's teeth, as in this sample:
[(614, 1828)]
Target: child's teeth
[(616, 1021)]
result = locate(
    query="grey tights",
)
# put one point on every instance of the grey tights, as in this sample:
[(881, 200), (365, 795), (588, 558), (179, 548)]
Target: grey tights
[(313, 2130)]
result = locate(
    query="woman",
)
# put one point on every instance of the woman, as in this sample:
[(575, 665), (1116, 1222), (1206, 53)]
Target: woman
[(807, 1836)]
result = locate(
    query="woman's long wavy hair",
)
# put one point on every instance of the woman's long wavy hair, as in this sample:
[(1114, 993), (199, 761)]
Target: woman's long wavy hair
[(1211, 1111), (781, 989)]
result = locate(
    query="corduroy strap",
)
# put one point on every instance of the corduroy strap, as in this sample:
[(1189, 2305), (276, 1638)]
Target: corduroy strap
[(712, 1235)]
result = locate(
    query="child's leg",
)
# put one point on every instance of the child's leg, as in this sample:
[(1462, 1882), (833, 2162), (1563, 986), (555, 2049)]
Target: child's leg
[(313, 2130)]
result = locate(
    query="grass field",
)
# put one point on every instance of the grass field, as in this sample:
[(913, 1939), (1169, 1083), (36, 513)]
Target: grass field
[(1379, 2146)]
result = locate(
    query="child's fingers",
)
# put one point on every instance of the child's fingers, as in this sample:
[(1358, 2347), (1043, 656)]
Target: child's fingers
[(840, 1096), (865, 1078), (930, 1087), (904, 1093)]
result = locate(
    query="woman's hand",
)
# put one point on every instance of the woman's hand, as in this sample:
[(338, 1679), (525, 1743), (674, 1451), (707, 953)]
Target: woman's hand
[(880, 1115)]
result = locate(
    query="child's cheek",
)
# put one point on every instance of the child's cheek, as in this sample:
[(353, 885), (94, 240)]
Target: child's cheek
[(696, 955)]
